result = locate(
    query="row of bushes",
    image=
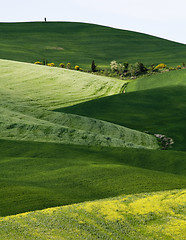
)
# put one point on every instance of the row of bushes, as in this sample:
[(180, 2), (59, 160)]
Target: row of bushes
[(120, 70), (61, 65), (124, 70)]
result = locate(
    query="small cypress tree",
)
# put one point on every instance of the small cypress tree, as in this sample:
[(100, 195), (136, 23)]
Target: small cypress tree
[(93, 66)]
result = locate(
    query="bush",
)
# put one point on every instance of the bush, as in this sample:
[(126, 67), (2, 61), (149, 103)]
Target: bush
[(68, 66), (39, 63), (125, 64), (160, 66), (178, 67), (172, 69), (137, 69), (76, 67), (62, 65), (114, 66), (51, 64)]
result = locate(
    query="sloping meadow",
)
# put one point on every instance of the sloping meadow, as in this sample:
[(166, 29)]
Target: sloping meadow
[(159, 215), (28, 92)]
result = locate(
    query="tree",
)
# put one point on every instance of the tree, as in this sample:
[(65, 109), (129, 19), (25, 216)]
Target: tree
[(93, 66)]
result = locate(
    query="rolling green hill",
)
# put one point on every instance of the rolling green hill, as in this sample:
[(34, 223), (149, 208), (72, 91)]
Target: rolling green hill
[(159, 215), (28, 92), (155, 104), (68, 137), (39, 175), (80, 43)]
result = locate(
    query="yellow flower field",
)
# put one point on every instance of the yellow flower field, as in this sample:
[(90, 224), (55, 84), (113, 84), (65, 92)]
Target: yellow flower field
[(159, 215)]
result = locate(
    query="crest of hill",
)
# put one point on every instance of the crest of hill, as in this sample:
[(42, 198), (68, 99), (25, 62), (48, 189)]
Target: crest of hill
[(80, 43)]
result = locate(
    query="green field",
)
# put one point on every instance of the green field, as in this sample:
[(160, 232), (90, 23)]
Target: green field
[(68, 137), (28, 92), (80, 43), (156, 110), (40, 175), (159, 215)]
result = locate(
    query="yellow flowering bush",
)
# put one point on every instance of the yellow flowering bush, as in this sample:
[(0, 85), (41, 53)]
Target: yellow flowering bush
[(62, 65), (160, 66), (39, 63), (178, 67), (51, 64), (76, 67)]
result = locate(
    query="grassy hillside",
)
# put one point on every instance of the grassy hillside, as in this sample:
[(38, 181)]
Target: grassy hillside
[(29, 91), (52, 87), (158, 215), (159, 108), (40, 175), (169, 79), (67, 137), (80, 43)]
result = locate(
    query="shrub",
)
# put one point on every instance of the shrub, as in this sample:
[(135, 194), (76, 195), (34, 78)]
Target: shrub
[(160, 66), (172, 69), (137, 69), (80, 69), (51, 64), (114, 66), (178, 67), (141, 68), (121, 69), (76, 67), (125, 64), (39, 63), (68, 66), (131, 70), (62, 65)]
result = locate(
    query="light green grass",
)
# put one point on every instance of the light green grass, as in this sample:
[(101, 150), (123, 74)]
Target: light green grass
[(158, 215), (39, 175), (167, 79), (80, 43), (53, 87), (28, 92)]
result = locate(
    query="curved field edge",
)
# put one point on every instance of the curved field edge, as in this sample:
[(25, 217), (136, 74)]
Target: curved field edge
[(53, 87), (159, 215), (159, 110), (46, 126), (36, 175)]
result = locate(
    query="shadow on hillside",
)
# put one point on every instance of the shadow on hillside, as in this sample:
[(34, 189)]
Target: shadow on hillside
[(160, 110)]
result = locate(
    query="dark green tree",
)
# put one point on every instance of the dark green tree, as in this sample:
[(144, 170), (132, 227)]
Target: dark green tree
[(93, 66)]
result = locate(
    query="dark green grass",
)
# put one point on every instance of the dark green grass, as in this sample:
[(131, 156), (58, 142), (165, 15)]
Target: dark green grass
[(81, 43), (160, 110), (40, 175)]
